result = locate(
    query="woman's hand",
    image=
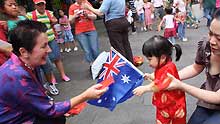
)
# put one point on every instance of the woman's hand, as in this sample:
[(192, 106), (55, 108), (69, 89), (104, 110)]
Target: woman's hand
[(7, 52), (94, 92), (68, 115), (174, 84), (4, 25), (85, 6)]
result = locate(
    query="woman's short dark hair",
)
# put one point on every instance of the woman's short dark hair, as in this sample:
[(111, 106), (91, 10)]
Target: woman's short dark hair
[(25, 34), (158, 46)]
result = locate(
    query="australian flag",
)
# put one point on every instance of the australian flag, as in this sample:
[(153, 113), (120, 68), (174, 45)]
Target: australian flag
[(126, 77)]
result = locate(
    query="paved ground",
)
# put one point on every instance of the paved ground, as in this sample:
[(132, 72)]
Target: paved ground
[(137, 110)]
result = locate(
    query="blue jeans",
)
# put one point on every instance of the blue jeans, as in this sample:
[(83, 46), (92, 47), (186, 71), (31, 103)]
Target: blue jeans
[(205, 116), (55, 53), (181, 30), (208, 12), (141, 17), (89, 43)]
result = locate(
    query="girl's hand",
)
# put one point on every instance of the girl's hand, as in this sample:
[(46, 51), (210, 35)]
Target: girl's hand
[(139, 90), (142, 89), (148, 76)]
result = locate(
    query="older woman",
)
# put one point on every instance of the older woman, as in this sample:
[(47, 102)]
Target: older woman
[(22, 97)]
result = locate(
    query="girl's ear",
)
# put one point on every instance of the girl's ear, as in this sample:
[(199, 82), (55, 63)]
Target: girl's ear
[(163, 58)]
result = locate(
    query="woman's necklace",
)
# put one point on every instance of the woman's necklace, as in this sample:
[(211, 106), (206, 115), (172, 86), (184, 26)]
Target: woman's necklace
[(28, 66)]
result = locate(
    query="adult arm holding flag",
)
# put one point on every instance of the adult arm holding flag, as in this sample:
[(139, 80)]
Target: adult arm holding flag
[(77, 104), (93, 92)]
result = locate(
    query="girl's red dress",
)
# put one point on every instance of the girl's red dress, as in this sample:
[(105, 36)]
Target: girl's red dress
[(170, 105)]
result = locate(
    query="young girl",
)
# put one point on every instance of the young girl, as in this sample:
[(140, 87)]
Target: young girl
[(170, 105), (139, 4), (128, 14), (68, 36), (59, 36), (148, 14), (168, 20), (191, 21), (180, 17)]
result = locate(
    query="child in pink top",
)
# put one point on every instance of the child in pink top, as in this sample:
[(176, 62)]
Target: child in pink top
[(59, 36), (68, 36), (148, 14)]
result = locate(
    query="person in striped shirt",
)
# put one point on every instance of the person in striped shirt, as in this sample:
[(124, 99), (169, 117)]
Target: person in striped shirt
[(42, 15)]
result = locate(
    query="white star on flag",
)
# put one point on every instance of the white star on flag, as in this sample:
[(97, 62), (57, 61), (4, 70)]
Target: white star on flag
[(113, 98), (125, 78), (99, 101)]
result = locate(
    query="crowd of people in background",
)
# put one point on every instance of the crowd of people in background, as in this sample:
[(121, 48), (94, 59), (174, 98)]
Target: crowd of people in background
[(151, 12)]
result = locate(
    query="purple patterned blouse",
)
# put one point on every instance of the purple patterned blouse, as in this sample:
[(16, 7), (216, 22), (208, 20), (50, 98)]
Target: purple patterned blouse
[(22, 97)]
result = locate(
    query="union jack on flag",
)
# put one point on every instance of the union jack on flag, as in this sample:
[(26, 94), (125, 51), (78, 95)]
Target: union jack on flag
[(126, 77), (111, 66)]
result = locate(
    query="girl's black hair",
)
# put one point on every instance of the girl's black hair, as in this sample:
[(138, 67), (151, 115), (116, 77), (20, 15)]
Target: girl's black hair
[(158, 46), (169, 10), (25, 35)]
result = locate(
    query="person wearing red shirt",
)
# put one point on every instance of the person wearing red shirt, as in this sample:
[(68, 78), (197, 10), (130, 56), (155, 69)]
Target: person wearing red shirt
[(85, 30)]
